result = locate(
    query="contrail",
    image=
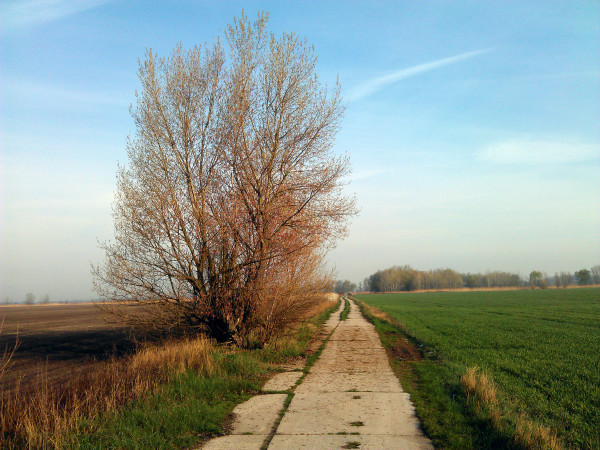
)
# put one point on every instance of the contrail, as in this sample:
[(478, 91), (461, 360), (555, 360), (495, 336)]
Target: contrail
[(376, 84), (23, 13)]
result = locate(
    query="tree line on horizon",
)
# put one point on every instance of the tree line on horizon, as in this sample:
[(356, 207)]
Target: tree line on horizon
[(406, 278)]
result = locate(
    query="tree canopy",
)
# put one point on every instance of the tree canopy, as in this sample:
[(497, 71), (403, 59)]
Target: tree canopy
[(232, 194)]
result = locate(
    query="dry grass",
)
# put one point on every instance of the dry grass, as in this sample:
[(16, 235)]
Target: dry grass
[(532, 435), (482, 392), (43, 416), (7, 355), (319, 308), (477, 383), (379, 314)]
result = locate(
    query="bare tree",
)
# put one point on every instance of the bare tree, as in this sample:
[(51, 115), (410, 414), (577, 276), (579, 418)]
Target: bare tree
[(29, 298), (232, 193), (595, 274), (535, 277), (566, 279), (344, 286)]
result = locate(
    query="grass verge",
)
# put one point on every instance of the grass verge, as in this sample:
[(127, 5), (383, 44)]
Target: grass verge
[(459, 407), (168, 396), (346, 310)]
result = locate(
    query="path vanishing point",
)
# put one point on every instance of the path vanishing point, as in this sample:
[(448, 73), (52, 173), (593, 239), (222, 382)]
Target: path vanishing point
[(349, 399)]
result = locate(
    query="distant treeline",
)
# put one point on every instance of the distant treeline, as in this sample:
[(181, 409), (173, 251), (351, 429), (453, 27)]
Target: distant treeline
[(405, 278)]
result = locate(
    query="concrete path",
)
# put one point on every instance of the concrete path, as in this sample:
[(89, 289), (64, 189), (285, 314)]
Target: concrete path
[(350, 399)]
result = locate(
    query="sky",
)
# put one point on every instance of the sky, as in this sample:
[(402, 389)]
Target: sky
[(473, 128)]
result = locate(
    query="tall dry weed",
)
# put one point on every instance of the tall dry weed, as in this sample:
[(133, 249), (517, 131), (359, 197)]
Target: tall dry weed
[(479, 385), (534, 436), (43, 416), (7, 355), (482, 393)]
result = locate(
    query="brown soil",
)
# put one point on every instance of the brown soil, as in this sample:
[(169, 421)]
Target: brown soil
[(401, 349), (57, 341)]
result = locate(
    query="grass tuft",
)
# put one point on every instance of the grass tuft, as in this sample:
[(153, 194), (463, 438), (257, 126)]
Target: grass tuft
[(481, 392), (532, 435), (478, 384)]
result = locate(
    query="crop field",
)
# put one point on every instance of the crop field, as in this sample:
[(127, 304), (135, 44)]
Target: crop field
[(541, 348), (57, 340)]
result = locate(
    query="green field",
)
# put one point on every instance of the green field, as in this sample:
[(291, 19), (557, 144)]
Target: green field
[(540, 347)]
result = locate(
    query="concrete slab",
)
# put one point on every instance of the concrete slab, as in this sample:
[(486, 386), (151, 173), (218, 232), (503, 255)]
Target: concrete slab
[(320, 441), (323, 413), (282, 381), (344, 382), (334, 319), (258, 414), (242, 442), (341, 412), (351, 389)]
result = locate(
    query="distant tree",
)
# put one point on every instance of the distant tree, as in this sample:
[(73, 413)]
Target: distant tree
[(565, 279), (534, 278), (557, 280), (366, 284), (471, 281), (583, 277), (595, 274), (341, 287), (29, 299), (545, 281), (46, 299), (515, 280)]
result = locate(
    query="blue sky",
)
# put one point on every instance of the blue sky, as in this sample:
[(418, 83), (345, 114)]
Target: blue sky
[(473, 128)]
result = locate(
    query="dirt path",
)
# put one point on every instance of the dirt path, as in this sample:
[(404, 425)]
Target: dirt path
[(350, 399)]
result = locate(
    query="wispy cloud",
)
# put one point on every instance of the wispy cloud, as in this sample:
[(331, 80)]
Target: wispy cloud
[(376, 84), (62, 95), (24, 13), (540, 151)]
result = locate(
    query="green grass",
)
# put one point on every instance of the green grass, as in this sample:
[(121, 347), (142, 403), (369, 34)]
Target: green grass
[(540, 347), (346, 310), (193, 407), (174, 417)]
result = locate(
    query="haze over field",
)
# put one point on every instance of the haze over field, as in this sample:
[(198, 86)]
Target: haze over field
[(473, 129)]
